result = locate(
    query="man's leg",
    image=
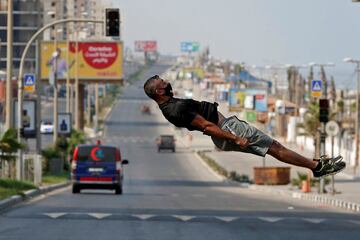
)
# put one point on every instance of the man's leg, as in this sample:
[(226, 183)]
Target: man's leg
[(286, 155)]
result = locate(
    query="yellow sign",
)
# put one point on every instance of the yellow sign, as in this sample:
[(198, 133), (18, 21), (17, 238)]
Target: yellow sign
[(316, 94), (88, 60)]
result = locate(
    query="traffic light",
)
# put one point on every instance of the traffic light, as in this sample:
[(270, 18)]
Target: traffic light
[(112, 22), (324, 110)]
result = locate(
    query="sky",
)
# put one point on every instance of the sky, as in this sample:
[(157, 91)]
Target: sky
[(260, 32)]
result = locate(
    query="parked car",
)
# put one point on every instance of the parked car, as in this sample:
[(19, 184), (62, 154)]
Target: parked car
[(97, 167), (46, 127), (166, 142)]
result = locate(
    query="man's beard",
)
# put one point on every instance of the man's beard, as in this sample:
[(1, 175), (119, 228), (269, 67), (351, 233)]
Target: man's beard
[(168, 90)]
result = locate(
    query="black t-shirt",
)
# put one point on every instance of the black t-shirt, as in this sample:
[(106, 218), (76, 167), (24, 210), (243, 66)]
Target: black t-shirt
[(181, 112)]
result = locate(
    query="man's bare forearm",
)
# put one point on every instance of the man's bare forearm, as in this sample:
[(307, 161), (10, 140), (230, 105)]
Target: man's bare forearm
[(214, 131)]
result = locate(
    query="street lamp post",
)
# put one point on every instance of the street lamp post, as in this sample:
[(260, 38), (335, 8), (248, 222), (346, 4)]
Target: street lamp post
[(357, 63), (21, 68)]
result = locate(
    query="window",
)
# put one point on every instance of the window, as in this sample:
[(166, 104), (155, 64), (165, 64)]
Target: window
[(53, 4)]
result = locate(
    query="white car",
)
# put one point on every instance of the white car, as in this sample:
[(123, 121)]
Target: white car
[(46, 126)]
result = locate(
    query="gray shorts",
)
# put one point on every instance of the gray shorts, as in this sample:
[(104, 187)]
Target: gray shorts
[(259, 142)]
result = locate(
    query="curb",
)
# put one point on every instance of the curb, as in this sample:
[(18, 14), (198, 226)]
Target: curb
[(210, 169), (13, 200), (350, 206), (331, 201)]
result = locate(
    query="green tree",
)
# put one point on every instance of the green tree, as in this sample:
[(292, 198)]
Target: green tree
[(311, 122), (8, 146)]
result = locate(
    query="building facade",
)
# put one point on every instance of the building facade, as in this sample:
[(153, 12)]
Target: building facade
[(61, 9), (27, 20)]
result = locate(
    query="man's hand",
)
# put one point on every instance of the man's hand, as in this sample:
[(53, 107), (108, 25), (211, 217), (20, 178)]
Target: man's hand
[(242, 142)]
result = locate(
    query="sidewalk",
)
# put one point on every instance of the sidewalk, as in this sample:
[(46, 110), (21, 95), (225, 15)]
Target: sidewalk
[(347, 184)]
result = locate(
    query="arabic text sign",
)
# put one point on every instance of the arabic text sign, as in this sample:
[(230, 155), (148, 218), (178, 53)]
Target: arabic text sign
[(96, 60)]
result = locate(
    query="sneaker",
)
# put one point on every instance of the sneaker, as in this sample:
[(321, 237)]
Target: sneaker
[(328, 166)]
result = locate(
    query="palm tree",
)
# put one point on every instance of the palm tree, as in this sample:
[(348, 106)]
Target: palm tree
[(311, 123), (8, 146)]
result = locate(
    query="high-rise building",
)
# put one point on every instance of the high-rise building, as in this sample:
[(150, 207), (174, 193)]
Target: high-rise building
[(27, 20), (61, 9)]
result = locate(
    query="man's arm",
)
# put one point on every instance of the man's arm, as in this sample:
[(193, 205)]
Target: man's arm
[(211, 129)]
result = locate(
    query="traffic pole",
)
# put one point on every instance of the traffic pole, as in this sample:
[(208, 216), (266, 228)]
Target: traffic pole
[(9, 65), (55, 113)]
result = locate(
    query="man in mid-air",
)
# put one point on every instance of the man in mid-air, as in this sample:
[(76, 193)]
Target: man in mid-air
[(230, 134)]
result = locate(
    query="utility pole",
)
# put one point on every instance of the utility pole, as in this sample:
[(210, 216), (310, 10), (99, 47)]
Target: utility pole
[(88, 115), (55, 69), (96, 106), (357, 63), (9, 64), (38, 96), (77, 112), (68, 70)]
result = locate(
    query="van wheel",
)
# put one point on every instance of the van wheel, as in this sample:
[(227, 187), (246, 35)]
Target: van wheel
[(118, 190), (75, 189)]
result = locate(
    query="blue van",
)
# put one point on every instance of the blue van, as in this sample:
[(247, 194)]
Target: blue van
[(97, 167)]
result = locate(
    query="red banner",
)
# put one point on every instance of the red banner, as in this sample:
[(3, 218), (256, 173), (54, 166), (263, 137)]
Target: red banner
[(145, 46)]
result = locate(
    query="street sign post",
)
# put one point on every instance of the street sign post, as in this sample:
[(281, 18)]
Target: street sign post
[(332, 129), (316, 88), (29, 82)]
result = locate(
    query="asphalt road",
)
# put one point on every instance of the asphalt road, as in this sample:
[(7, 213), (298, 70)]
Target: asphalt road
[(169, 196)]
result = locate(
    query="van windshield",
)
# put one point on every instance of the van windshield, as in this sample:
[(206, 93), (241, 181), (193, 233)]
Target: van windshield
[(96, 154), (167, 139)]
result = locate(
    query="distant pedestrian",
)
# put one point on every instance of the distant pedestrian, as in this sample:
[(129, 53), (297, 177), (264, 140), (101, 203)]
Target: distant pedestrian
[(230, 134)]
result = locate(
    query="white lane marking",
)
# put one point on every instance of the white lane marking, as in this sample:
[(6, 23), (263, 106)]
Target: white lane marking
[(227, 219), (354, 221), (184, 217), (270, 219), (99, 215), (55, 215), (143, 216), (314, 220), (198, 195), (174, 195)]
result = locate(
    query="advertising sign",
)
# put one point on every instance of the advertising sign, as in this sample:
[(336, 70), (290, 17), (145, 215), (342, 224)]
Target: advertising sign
[(189, 46), (29, 82), (145, 46), (28, 117), (96, 60), (250, 116), (64, 124), (240, 99)]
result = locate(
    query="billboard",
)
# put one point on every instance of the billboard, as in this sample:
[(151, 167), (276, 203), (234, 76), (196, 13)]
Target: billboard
[(189, 46), (28, 117), (64, 124), (145, 46), (96, 60), (250, 99)]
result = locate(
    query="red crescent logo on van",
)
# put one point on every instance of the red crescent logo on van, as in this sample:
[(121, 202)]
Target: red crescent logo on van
[(93, 154)]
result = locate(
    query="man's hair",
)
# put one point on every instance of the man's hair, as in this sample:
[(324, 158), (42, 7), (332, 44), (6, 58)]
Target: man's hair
[(149, 86)]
